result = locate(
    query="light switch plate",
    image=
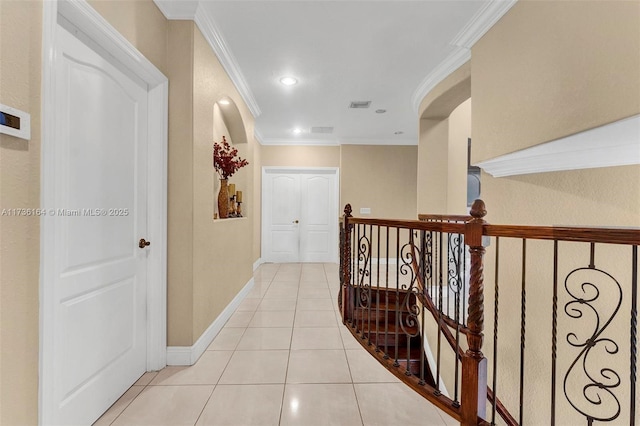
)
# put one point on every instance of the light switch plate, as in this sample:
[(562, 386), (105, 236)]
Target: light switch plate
[(365, 210), (15, 122)]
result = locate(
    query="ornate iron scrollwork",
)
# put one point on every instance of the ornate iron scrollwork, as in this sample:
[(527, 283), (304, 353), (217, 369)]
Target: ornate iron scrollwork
[(364, 255), (586, 286), (455, 267), (407, 253)]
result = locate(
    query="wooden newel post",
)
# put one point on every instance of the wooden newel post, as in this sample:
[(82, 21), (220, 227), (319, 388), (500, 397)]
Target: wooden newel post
[(474, 364), (346, 264)]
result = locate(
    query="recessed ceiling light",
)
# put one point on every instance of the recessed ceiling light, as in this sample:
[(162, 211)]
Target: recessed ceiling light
[(288, 81), (381, 111), (224, 102), (297, 131), (399, 132)]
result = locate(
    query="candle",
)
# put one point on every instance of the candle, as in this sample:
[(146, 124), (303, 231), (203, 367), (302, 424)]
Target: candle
[(232, 189), (239, 196)]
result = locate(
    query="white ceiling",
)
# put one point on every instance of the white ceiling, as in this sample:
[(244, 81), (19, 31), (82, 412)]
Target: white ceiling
[(388, 52)]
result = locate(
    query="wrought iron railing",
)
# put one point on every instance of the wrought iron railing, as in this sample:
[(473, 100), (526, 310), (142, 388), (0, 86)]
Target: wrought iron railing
[(562, 345)]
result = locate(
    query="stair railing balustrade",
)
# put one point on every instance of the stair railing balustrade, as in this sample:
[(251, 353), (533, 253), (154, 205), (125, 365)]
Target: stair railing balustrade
[(564, 304)]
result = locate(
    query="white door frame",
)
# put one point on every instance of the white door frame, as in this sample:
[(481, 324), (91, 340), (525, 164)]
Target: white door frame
[(295, 169), (89, 21)]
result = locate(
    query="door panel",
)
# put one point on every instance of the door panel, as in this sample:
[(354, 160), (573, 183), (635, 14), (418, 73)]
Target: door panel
[(319, 213), (99, 148), (284, 207), (99, 345)]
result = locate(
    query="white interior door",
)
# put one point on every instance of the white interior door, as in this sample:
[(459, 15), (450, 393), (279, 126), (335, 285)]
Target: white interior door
[(318, 215), (99, 332), (281, 204), (300, 215)]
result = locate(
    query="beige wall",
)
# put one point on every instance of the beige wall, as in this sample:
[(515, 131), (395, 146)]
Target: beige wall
[(551, 69), (199, 288), (300, 156), (544, 71), (20, 76), (433, 164), (459, 134), (140, 22), (180, 186), (257, 201), (445, 123), (380, 177), (223, 249)]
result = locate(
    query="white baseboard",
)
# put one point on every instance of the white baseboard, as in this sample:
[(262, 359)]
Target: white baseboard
[(257, 263), (188, 355)]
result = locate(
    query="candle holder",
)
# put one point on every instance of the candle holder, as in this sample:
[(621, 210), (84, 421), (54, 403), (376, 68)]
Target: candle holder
[(239, 210), (232, 206)]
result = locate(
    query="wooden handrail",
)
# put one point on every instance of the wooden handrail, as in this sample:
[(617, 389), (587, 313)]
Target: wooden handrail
[(611, 235), (607, 235), (444, 217), (474, 390)]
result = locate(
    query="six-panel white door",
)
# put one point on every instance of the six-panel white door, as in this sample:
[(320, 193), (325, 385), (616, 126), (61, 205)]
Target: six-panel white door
[(99, 331)]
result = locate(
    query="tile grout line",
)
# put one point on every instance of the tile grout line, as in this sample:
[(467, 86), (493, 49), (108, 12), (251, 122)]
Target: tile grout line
[(286, 371), (228, 361)]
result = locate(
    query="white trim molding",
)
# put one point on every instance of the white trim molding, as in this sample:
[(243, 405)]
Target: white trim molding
[(615, 144), (257, 264), (334, 142), (195, 11), (455, 60), (299, 142), (177, 9), (83, 16), (390, 141), (481, 22), (258, 136), (189, 355)]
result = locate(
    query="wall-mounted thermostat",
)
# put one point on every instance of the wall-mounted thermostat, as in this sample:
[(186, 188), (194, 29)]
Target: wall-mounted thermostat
[(15, 122)]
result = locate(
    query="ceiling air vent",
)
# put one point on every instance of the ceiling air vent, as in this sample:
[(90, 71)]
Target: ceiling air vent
[(360, 104), (322, 130)]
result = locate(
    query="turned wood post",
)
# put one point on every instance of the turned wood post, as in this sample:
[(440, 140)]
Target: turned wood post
[(474, 364), (346, 265)]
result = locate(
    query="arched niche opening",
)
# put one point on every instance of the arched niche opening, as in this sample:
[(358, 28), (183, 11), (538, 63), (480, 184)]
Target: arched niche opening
[(443, 151), (228, 123)]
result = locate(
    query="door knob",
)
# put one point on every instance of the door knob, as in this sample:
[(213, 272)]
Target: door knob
[(295, 221), (143, 243)]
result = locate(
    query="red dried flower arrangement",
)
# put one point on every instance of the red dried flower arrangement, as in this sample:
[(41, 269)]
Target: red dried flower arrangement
[(224, 161)]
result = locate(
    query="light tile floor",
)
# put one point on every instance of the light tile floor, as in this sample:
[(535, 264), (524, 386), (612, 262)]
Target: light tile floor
[(283, 358)]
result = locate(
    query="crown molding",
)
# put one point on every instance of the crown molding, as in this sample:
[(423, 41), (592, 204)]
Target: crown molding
[(258, 136), (390, 141), (455, 60), (193, 10), (347, 141), (177, 9), (615, 144), (210, 32), (298, 142), (481, 22)]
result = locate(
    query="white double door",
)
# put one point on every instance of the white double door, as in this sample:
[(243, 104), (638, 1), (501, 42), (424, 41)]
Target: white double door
[(96, 338), (300, 215)]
